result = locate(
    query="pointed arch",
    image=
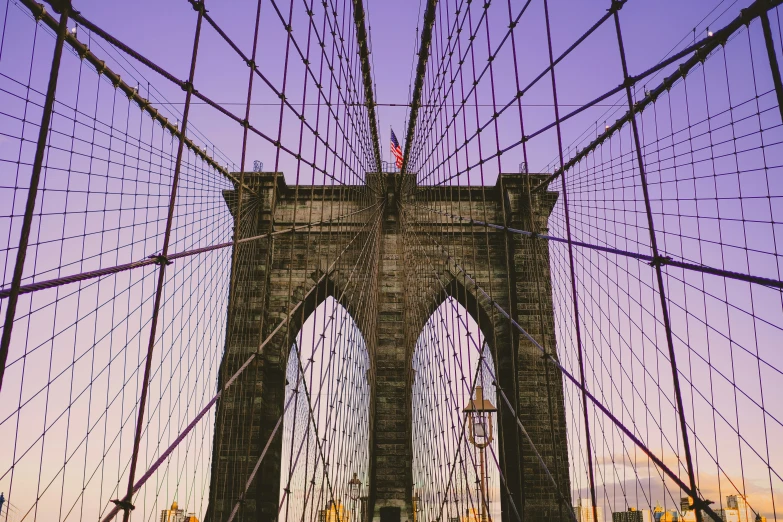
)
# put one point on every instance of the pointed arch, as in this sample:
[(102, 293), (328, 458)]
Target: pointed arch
[(476, 306), (326, 410), (451, 361), (276, 391), (327, 286)]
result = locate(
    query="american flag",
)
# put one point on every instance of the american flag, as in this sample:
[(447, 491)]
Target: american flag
[(396, 150)]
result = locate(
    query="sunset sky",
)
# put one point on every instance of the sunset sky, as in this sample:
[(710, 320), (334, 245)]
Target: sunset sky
[(727, 335)]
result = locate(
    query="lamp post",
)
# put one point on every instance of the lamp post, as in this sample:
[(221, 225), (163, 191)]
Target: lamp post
[(416, 509), (363, 500), (354, 490), (479, 412)]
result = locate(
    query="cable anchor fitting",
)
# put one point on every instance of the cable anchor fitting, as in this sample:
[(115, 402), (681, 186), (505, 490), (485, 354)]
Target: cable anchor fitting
[(746, 16), (616, 6), (660, 261), (160, 259), (60, 5), (629, 81), (124, 505), (701, 504), (198, 6)]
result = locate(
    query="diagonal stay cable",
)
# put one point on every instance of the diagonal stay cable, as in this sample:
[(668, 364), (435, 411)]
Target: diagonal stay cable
[(652, 260), (40, 13), (598, 404), (518, 95), (701, 50), (140, 482), (157, 259), (468, 388), (279, 422), (254, 68), (492, 374), (184, 85), (343, 299), (506, 400)]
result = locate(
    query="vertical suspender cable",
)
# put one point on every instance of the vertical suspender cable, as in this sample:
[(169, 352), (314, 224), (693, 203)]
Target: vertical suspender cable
[(773, 60), (126, 504), (616, 5), (574, 295), (35, 179)]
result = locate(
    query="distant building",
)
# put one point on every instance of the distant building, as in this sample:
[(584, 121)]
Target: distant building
[(690, 516), (687, 513), (174, 514), (632, 515), (728, 514), (336, 512), (660, 515), (584, 511), (471, 515), (9, 513), (743, 511), (665, 516)]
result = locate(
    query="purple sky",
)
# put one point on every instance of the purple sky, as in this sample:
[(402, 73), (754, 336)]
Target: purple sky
[(743, 323), (650, 31)]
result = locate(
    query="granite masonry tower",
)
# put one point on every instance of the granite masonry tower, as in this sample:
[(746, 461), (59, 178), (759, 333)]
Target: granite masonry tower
[(249, 411)]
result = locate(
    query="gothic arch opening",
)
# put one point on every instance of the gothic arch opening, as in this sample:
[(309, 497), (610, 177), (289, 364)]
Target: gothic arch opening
[(326, 421), (451, 360)]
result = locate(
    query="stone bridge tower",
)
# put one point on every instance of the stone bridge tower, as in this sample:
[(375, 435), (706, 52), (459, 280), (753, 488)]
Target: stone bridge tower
[(403, 293)]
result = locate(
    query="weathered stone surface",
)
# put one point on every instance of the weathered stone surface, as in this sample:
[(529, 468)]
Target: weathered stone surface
[(391, 280)]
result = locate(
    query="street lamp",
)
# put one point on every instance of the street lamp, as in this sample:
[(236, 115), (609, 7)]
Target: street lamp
[(354, 490), (354, 487), (479, 415)]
